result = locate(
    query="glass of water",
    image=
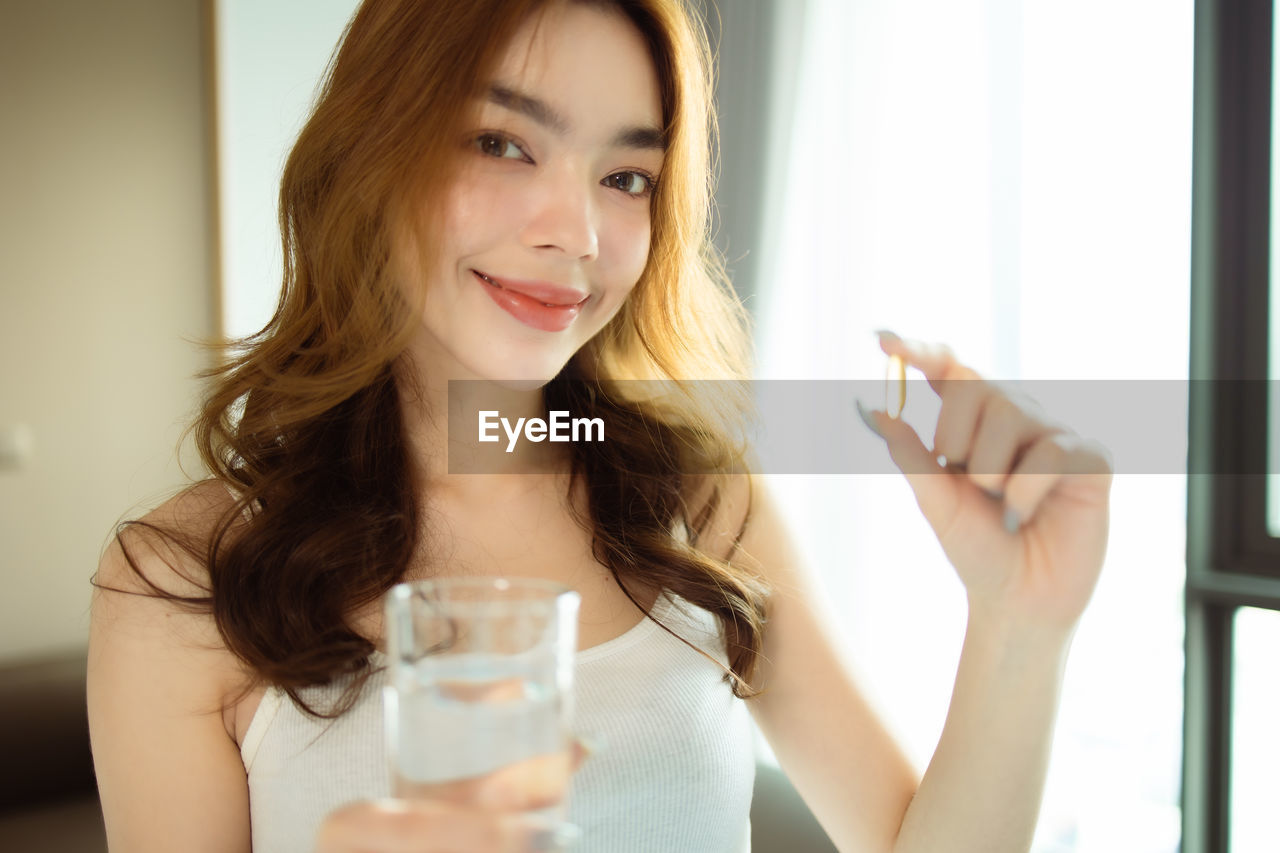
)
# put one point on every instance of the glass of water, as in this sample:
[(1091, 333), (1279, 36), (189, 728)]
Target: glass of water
[(480, 699)]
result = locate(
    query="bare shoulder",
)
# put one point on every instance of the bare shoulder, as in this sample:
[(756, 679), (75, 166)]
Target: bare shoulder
[(163, 550), (150, 588), (158, 680), (719, 511), (150, 599), (744, 524)]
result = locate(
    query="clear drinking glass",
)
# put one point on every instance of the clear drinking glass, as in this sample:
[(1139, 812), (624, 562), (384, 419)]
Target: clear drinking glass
[(481, 691)]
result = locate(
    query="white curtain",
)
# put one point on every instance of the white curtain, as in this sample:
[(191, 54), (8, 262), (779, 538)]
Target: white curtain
[(1012, 177)]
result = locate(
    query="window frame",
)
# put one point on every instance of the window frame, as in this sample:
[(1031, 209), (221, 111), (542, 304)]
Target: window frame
[(1232, 560)]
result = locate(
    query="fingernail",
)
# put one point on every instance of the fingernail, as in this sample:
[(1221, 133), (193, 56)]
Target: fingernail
[(867, 418), (886, 335), (553, 839), (591, 744), (1011, 520)]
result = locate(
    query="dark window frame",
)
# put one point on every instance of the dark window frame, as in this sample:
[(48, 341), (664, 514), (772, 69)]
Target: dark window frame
[(1232, 560)]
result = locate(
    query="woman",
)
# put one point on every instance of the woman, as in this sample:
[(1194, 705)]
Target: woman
[(516, 191)]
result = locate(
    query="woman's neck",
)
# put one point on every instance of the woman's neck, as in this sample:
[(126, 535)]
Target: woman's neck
[(462, 427)]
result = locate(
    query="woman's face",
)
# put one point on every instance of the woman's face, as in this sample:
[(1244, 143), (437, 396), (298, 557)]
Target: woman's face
[(546, 227)]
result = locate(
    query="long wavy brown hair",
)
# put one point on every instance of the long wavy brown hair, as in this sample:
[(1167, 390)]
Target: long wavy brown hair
[(303, 420)]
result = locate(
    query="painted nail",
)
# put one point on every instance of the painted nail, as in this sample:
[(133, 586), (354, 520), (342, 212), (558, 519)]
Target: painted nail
[(591, 744), (867, 418), (553, 839), (886, 335), (1011, 520)]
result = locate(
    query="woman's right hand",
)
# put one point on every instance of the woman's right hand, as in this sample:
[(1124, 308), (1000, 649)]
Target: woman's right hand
[(432, 826)]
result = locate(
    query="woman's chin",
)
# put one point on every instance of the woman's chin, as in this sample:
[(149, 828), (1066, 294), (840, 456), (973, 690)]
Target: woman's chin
[(525, 384), (526, 377), (514, 371)]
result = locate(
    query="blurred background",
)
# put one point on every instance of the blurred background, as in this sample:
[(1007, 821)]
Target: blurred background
[(1012, 177)]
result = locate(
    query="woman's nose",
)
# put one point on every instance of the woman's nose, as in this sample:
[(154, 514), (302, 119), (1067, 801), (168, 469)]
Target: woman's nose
[(563, 217)]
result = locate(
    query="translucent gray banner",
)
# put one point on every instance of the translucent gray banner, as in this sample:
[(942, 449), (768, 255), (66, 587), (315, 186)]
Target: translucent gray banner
[(813, 427)]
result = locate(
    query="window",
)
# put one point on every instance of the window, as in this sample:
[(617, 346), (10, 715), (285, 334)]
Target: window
[(270, 59), (1255, 743), (1233, 555), (1012, 178)]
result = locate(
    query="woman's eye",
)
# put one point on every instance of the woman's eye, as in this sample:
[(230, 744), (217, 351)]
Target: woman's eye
[(631, 183), (493, 145)]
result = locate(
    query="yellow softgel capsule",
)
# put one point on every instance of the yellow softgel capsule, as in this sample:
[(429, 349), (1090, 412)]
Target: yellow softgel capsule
[(895, 375)]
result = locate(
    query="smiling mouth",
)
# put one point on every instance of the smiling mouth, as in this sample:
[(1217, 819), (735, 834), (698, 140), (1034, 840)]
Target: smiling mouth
[(539, 305), (498, 285)]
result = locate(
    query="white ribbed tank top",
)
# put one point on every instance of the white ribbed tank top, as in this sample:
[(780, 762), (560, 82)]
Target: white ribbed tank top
[(674, 773)]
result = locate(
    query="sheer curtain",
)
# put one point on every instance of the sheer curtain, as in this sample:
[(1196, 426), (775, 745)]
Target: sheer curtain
[(1013, 178)]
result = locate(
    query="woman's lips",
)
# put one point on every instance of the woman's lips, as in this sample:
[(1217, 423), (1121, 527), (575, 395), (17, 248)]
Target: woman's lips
[(539, 305)]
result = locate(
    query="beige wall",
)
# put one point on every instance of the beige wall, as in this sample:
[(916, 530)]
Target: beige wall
[(105, 276)]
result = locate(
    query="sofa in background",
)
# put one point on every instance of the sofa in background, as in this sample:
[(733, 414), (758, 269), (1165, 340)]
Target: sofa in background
[(48, 797)]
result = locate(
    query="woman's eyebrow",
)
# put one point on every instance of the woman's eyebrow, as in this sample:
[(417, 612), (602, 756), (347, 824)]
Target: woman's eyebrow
[(641, 137), (645, 137), (535, 108)]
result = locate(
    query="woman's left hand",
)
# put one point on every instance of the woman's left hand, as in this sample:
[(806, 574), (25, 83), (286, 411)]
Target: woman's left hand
[(1021, 506)]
